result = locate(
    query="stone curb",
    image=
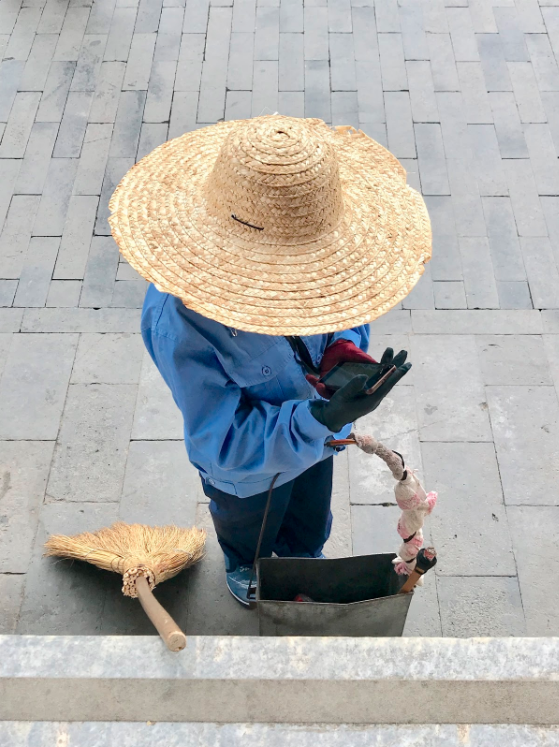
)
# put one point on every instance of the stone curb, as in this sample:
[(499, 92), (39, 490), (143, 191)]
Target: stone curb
[(281, 680)]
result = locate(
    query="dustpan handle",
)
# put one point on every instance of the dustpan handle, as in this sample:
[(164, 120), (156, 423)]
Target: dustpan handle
[(260, 538), (174, 638)]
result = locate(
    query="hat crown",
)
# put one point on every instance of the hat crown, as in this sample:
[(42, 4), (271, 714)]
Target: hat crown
[(277, 176)]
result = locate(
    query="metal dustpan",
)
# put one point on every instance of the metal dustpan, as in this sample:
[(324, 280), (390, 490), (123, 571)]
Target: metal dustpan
[(359, 596)]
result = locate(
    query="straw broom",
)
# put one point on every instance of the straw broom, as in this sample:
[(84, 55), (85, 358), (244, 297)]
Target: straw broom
[(145, 556)]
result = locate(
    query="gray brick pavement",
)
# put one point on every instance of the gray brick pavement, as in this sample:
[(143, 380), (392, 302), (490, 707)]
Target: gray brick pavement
[(466, 93)]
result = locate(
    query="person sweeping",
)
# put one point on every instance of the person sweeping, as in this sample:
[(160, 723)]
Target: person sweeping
[(270, 245)]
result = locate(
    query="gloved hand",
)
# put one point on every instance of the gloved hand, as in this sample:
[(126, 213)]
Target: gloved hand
[(341, 351), (351, 401)]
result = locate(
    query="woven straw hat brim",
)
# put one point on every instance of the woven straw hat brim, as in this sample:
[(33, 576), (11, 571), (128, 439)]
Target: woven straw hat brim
[(235, 275)]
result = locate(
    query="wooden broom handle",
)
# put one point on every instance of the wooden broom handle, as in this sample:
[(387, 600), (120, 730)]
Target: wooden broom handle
[(174, 638), (410, 584)]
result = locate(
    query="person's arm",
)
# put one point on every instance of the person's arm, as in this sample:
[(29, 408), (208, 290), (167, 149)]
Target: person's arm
[(234, 433), (359, 336)]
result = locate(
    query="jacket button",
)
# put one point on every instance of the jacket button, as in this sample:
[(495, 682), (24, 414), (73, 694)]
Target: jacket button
[(266, 370), (210, 481)]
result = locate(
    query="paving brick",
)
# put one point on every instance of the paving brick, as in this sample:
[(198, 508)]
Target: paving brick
[(393, 66), (551, 17), (33, 386), (317, 89), (151, 136), (550, 321), (449, 295), (64, 596), (513, 360), (126, 271), (266, 38), (345, 109), (183, 113), (435, 17), (462, 529), (446, 395), (160, 487), (189, 68), (196, 16), (20, 123), (510, 135), (342, 65), (477, 268), (94, 154), (73, 125), (37, 272), (72, 33), (100, 272), (8, 290), (126, 131), (511, 35), (365, 38), (116, 169), (239, 69), (421, 296), (514, 295), (76, 238), (412, 172), (88, 465), (370, 95), (544, 65), (453, 125), (541, 269), (316, 33), (339, 16), (550, 101), (24, 467), (238, 105), (10, 169), (292, 103), (11, 589), (291, 62), (149, 13), (52, 17), (462, 35), (431, 159), (483, 606), (10, 320), (89, 63), (443, 65), (422, 92), (493, 63), (399, 124), (108, 359), (11, 72), (105, 101), (265, 90), (14, 239), (468, 211), (508, 264), (446, 263), (23, 34), (474, 95), (525, 89), (536, 526), (413, 33), (211, 105), (550, 207), (496, 322), (543, 157), (387, 16), (291, 16), (140, 58), (120, 35), (524, 198), (487, 164), (157, 418), (37, 66), (101, 17), (129, 294), (524, 420), (244, 16), (55, 92), (56, 194), (160, 92), (73, 320), (376, 130), (65, 293)]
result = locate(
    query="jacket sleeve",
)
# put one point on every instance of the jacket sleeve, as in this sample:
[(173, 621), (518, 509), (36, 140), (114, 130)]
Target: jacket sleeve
[(219, 422), (359, 336)]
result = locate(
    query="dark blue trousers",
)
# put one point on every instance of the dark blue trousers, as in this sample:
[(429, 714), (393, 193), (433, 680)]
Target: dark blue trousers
[(298, 524)]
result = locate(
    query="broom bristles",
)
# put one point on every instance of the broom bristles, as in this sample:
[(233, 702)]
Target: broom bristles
[(165, 551)]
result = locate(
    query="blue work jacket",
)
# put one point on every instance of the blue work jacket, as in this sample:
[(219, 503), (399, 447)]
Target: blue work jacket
[(243, 396)]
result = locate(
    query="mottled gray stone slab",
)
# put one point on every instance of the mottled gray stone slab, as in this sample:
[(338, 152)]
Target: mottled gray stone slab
[(498, 322), (525, 423), (108, 359), (160, 485), (24, 468), (11, 589), (78, 320), (157, 417), (64, 293), (450, 398), (514, 295), (62, 596), (396, 426), (480, 607), (92, 445), (513, 359), (340, 543), (33, 386), (535, 535), (15, 236), (469, 523), (36, 272)]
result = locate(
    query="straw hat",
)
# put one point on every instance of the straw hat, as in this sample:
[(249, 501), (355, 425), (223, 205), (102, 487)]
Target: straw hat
[(274, 225)]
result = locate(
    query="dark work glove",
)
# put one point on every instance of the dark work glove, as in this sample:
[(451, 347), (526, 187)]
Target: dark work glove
[(351, 401), (341, 351)]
